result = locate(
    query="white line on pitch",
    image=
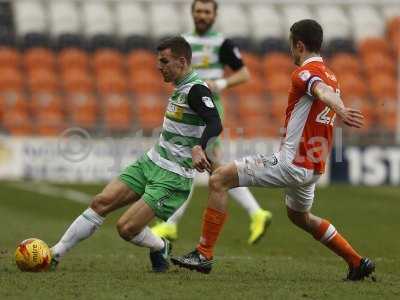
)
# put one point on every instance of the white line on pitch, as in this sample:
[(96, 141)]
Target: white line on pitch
[(53, 191)]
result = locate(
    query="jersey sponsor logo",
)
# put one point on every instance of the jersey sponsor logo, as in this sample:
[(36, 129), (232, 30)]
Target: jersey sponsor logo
[(208, 102), (174, 111), (305, 75), (180, 99), (206, 58), (205, 62)]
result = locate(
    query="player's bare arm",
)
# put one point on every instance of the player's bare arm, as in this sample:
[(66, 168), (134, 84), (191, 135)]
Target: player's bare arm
[(229, 55), (238, 77), (350, 116)]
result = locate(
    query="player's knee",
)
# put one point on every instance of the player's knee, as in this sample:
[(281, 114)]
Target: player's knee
[(300, 219), (125, 230), (217, 182), (101, 204)]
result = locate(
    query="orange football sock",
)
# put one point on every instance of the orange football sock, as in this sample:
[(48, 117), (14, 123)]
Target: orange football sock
[(213, 221), (326, 233)]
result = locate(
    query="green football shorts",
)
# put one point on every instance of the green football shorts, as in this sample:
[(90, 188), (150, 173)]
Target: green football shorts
[(162, 190)]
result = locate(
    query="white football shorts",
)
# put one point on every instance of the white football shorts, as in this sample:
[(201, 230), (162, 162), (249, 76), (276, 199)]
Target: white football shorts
[(272, 171)]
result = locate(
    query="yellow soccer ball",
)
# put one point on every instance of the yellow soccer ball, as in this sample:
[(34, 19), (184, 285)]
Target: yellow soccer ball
[(33, 255)]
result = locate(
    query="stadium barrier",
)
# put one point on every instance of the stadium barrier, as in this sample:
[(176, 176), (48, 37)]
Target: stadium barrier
[(76, 158), (371, 166)]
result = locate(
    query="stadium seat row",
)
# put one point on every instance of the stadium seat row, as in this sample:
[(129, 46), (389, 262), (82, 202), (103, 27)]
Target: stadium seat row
[(159, 19), (110, 71), (263, 98), (106, 89), (48, 113)]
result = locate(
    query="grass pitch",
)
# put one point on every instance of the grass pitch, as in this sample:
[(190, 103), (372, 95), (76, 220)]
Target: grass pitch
[(286, 264)]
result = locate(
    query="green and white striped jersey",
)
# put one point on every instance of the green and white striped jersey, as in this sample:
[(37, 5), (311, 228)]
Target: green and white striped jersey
[(181, 131), (205, 54)]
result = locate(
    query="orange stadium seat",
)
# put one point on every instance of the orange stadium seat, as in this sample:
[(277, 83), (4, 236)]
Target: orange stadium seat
[(10, 80), (42, 80), (395, 40), (117, 113), (77, 81), (48, 112), (373, 45), (83, 110), (388, 120), (352, 86), (259, 127), (18, 122), (393, 33), (383, 87), (73, 58), (386, 113), (252, 62), (345, 63), (375, 63), (151, 109), (277, 108), (49, 123), (230, 103), (13, 102), (251, 105), (367, 109), (105, 59), (46, 103), (231, 128), (277, 62), (16, 114), (42, 58), (254, 86), (148, 103), (145, 81), (111, 82), (393, 27), (9, 57), (278, 83), (141, 59), (3, 108)]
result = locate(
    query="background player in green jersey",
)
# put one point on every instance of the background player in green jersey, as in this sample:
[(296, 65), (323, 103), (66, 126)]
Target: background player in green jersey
[(211, 53), (160, 181)]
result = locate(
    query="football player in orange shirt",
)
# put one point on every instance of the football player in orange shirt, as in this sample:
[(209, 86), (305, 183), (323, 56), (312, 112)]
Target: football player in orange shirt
[(313, 103)]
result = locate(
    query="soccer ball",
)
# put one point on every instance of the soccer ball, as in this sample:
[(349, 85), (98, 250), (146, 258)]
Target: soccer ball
[(33, 255)]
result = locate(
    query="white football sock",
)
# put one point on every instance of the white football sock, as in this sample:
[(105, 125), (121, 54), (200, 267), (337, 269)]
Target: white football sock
[(178, 214), (148, 239), (82, 228), (245, 198)]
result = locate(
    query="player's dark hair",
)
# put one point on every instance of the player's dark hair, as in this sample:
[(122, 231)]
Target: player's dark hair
[(206, 1), (309, 32), (179, 47)]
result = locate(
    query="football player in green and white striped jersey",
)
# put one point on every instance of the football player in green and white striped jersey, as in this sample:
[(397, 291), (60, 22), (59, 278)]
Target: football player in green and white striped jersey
[(211, 52), (160, 181)]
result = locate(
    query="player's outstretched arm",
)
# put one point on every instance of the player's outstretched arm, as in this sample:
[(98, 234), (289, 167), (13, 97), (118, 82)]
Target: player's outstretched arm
[(238, 77), (350, 116), (229, 55)]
